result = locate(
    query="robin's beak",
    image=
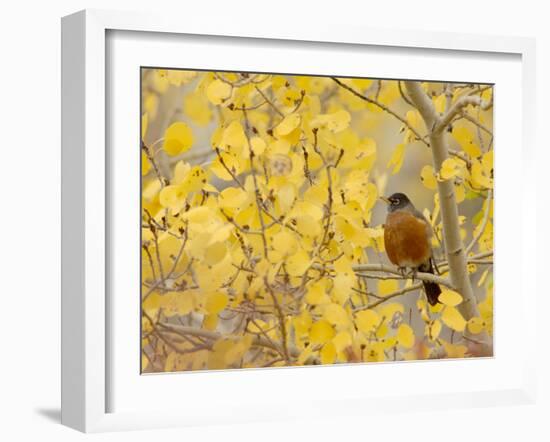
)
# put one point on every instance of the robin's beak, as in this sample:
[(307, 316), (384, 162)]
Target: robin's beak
[(386, 200)]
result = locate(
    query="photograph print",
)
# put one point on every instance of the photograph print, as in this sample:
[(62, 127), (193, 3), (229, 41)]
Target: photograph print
[(298, 220)]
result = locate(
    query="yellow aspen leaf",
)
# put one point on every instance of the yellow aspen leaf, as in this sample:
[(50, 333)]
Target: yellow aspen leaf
[(420, 304), (178, 138), (374, 353), (397, 158), (233, 197), (342, 340), (387, 286), (343, 284), (316, 294), (465, 138), (144, 362), (460, 192), (307, 208), (170, 363), (216, 302), (238, 348), (413, 118), (198, 215), (328, 353), (210, 322), (361, 83), (367, 320), (179, 77), (427, 177), (287, 125), (339, 121), (343, 265), (336, 314), (298, 263), (194, 180), (449, 169), (479, 175), (233, 136), (258, 145), (285, 243), (405, 336), (439, 103), (454, 351), (145, 164), (279, 147), (217, 357), (307, 226), (195, 105), (452, 318), (302, 323), (304, 355), (285, 197), (335, 122), (450, 298), (209, 188), (487, 162), (388, 310), (172, 303), (476, 325), (433, 329), (171, 197), (389, 93), (345, 228), (316, 194), (321, 332), (436, 308), (218, 92), (472, 149), (181, 170), (382, 329), (214, 253), (486, 310)]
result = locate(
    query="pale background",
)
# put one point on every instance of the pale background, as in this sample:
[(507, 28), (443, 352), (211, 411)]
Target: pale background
[(30, 183)]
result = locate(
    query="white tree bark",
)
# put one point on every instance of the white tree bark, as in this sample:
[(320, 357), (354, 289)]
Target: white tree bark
[(456, 255)]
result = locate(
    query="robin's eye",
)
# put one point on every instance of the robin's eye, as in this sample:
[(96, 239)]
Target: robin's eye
[(395, 202)]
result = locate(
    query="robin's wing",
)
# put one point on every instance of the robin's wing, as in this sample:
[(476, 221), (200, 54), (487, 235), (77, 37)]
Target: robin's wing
[(419, 215), (429, 230)]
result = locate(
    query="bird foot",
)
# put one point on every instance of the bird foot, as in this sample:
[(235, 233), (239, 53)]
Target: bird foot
[(413, 273)]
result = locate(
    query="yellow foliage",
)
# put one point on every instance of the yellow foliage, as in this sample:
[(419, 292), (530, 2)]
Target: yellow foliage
[(178, 138), (218, 92), (452, 318), (321, 332), (450, 298), (367, 320)]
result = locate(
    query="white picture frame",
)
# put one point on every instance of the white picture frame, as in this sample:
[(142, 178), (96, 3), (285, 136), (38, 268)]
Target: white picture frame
[(86, 315)]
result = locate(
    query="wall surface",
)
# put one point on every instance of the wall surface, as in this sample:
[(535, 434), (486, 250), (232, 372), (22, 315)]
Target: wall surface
[(30, 220)]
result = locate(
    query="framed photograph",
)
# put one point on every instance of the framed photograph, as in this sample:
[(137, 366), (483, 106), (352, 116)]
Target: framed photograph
[(288, 223)]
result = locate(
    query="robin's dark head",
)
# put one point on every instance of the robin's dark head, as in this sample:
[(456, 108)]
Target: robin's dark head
[(397, 201)]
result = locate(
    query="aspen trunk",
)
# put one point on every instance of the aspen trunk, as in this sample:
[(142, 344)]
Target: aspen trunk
[(456, 255)]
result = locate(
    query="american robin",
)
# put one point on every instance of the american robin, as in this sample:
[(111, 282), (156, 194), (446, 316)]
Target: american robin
[(407, 237)]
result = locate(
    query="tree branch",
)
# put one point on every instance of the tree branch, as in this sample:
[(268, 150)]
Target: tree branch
[(396, 274), (456, 109)]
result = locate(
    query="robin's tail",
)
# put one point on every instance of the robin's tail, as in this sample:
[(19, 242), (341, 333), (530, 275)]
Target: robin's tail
[(431, 288)]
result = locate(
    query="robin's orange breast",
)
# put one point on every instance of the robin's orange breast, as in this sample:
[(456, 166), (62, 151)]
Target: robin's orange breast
[(407, 239)]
